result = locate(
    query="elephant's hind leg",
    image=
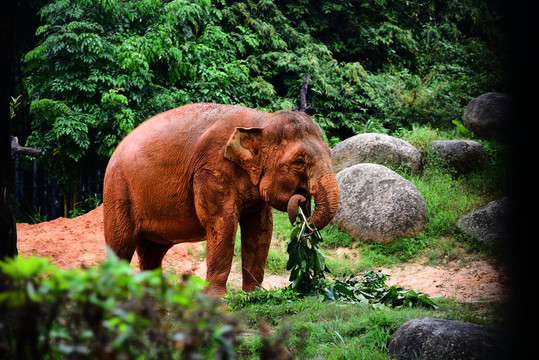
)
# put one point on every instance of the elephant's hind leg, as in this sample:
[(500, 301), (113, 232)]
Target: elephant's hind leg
[(121, 240), (151, 254), (120, 231)]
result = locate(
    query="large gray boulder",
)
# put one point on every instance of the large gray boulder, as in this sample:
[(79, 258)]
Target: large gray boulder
[(464, 156), (377, 204), (432, 338), (375, 148), (492, 224), (490, 116)]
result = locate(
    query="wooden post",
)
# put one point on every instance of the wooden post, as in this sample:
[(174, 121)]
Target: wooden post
[(309, 110)]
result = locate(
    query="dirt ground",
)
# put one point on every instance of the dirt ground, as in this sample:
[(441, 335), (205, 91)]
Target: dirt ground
[(80, 242)]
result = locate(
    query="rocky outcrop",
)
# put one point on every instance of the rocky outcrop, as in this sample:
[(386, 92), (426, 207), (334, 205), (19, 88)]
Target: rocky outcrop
[(377, 204), (375, 148), (431, 338)]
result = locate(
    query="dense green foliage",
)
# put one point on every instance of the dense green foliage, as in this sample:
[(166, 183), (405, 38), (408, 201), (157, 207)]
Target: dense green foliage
[(110, 311), (102, 67)]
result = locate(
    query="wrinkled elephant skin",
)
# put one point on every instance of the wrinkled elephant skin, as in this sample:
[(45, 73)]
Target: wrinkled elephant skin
[(195, 172)]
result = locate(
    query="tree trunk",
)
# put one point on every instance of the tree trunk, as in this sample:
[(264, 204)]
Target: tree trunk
[(8, 230)]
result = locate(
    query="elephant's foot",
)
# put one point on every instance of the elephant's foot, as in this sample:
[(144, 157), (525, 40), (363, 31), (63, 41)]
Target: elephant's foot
[(215, 291), (251, 286)]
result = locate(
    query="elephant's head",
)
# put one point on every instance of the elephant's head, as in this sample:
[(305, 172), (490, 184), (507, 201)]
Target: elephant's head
[(284, 157)]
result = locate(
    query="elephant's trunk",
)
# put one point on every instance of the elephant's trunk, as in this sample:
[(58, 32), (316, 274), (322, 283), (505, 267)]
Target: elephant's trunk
[(294, 204), (325, 191)]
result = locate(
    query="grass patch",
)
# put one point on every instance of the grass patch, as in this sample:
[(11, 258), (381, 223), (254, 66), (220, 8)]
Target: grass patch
[(314, 329)]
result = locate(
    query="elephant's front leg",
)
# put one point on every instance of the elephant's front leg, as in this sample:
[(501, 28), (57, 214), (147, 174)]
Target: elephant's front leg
[(216, 211), (219, 253), (256, 230)]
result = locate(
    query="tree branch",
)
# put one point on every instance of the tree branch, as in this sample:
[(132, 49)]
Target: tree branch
[(16, 148)]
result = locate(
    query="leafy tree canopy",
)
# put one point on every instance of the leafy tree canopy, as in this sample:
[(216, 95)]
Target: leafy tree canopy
[(101, 67)]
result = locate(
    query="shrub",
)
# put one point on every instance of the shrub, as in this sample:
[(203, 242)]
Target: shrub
[(111, 311)]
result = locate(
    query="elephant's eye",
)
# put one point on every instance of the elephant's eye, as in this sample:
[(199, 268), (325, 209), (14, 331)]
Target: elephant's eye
[(299, 161)]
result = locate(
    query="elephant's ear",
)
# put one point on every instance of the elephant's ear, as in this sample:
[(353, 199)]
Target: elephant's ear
[(243, 149)]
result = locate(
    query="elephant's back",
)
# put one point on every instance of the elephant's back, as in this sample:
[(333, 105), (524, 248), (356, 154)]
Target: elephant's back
[(182, 128), (180, 125), (180, 137)]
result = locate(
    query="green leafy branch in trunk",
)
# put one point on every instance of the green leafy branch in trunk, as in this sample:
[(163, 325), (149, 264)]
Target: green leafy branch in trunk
[(306, 263)]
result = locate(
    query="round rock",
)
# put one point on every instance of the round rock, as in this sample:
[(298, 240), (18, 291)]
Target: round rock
[(377, 204), (465, 156), (432, 338), (492, 224), (375, 148), (490, 116)]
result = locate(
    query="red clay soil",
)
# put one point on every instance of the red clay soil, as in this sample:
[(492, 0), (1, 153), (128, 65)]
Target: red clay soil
[(80, 242)]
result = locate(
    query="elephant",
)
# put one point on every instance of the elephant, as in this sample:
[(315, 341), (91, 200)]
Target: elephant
[(196, 172)]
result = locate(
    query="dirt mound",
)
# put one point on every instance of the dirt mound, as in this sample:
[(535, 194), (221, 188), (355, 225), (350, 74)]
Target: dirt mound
[(80, 242)]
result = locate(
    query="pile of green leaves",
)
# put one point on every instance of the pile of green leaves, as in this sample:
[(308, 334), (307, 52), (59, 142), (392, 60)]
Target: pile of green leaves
[(371, 290), (307, 265), (111, 312)]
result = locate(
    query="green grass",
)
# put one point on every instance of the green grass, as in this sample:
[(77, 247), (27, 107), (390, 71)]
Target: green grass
[(316, 329)]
